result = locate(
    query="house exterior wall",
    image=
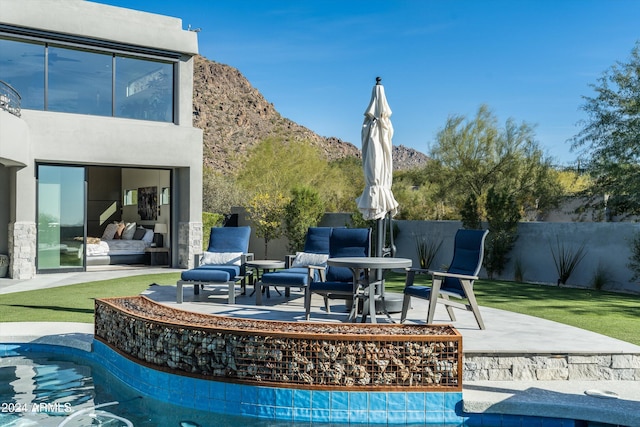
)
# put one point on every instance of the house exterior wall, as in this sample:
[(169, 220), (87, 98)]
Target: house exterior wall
[(80, 139)]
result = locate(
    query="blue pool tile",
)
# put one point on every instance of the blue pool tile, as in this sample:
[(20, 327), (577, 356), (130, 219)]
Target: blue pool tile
[(416, 417), (320, 400), (452, 400), (201, 388), (339, 401), (396, 402), (375, 417), (248, 409), (284, 414), (358, 400), (416, 401), (217, 390), (284, 397), (232, 407), (396, 417), (339, 416), (249, 394), (434, 402), (216, 405), (265, 395), (265, 411), (160, 379), (233, 393), (358, 416), (433, 417), (452, 417), (320, 415), (302, 399), (378, 401), (301, 414)]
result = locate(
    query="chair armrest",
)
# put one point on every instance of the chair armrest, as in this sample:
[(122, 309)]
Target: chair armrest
[(243, 263), (453, 275), (288, 260), (418, 270), (321, 270), (197, 259)]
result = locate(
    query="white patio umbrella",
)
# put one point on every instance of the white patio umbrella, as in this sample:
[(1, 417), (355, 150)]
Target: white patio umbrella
[(377, 199)]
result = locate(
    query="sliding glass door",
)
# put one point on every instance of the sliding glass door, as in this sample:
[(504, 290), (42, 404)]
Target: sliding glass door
[(61, 218)]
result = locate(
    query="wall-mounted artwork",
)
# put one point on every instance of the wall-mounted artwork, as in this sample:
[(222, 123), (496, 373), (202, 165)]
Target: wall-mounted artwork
[(148, 203)]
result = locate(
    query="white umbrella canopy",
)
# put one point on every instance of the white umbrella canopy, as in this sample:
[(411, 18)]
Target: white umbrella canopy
[(377, 131)]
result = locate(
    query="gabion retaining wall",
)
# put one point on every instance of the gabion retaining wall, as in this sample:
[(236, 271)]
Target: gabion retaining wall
[(283, 354)]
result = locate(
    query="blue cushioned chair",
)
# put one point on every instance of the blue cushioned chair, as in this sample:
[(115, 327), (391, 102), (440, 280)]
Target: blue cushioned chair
[(316, 242), (337, 282), (457, 281), (223, 241)]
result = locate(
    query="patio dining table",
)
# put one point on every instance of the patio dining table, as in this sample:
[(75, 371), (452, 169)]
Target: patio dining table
[(365, 285)]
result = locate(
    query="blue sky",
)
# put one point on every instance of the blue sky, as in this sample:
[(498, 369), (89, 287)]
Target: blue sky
[(316, 61)]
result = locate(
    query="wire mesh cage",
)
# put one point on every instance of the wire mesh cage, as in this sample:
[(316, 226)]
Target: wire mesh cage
[(283, 354)]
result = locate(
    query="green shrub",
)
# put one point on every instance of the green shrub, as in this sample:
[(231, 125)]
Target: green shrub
[(566, 260), (303, 211), (427, 250), (503, 215)]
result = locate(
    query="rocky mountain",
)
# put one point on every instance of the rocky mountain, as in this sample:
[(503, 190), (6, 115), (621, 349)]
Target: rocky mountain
[(234, 116)]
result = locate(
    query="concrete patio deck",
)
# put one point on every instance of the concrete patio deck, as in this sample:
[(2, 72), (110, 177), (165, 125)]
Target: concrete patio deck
[(506, 334)]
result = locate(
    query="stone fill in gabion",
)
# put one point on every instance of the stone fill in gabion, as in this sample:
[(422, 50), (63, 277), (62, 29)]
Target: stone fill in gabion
[(287, 354)]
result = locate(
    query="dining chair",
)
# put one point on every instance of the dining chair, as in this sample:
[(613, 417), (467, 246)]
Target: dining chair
[(337, 282), (457, 281)]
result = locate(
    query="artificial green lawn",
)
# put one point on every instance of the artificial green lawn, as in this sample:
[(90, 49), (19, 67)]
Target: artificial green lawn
[(607, 313), (73, 303)]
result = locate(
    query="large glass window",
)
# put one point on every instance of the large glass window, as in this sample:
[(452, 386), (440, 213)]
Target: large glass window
[(79, 82), (144, 89), (61, 213), (22, 66), (82, 81)]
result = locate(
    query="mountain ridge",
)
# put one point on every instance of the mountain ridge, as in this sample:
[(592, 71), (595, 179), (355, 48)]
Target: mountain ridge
[(235, 116)]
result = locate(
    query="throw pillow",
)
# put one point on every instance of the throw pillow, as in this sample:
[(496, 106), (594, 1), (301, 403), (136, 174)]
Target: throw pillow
[(305, 259), (109, 231), (148, 236), (139, 234), (129, 231), (222, 258), (119, 229)]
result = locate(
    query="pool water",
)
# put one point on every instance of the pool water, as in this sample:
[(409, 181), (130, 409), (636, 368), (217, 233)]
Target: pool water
[(48, 390), (60, 390)]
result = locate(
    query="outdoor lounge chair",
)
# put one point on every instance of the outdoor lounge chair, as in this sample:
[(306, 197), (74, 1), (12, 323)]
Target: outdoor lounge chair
[(457, 281), (297, 273), (223, 264), (337, 282)]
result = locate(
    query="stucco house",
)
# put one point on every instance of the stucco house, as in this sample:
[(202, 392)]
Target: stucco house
[(96, 134)]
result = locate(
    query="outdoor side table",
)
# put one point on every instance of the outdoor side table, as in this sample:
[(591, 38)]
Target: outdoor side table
[(265, 265), (368, 288), (153, 255)]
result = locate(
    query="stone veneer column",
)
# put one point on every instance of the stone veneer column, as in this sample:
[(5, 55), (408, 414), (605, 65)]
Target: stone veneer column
[(189, 243), (22, 250)]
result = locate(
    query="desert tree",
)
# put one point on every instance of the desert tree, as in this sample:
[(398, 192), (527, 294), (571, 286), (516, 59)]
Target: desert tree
[(610, 135)]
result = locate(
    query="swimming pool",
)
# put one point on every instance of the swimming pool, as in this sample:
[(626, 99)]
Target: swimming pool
[(63, 388), (48, 389)]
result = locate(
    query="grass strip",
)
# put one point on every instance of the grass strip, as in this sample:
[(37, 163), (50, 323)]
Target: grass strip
[(73, 303)]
